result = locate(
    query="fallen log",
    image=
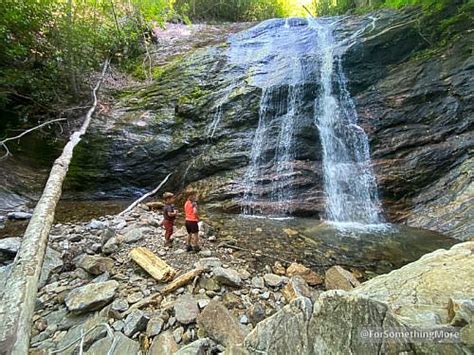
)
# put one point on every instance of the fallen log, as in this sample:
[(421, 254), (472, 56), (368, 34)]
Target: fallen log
[(19, 294), (181, 281), (145, 196), (152, 264)]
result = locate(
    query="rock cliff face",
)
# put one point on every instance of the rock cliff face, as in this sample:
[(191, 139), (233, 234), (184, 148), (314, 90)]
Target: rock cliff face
[(432, 294), (414, 103)]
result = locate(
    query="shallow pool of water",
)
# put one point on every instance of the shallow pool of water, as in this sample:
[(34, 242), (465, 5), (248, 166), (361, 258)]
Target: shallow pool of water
[(318, 244), (263, 241)]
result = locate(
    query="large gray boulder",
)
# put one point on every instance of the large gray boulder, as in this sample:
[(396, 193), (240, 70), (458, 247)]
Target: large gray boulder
[(186, 309), (228, 277), (217, 323), (95, 265), (123, 345), (91, 297), (163, 344), (198, 347), (433, 293)]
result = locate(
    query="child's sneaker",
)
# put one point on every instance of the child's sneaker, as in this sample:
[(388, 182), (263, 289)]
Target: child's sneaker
[(197, 249), (189, 248)]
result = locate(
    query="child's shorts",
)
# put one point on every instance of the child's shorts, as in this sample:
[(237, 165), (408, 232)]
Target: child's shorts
[(192, 227)]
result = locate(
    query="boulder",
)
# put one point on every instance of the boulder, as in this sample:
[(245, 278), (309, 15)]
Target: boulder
[(123, 345), (284, 332), (95, 224), (426, 286), (273, 280), (312, 278), (135, 234), (119, 305), (19, 215), (279, 269), (198, 347), (136, 321), (95, 265), (111, 246), (208, 264), (228, 277), (163, 344), (338, 278), (91, 297), (91, 327), (51, 263), (8, 248), (413, 298), (209, 284), (295, 288), (258, 282), (216, 322), (186, 309), (154, 326)]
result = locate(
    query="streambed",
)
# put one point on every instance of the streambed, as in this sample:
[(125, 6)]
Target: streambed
[(263, 241)]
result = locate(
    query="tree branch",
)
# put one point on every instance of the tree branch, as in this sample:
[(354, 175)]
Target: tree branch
[(2, 143), (132, 206)]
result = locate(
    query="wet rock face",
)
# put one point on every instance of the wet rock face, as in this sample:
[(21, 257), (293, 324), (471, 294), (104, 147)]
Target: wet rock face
[(413, 104)]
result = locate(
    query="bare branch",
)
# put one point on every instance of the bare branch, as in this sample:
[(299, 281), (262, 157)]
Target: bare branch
[(151, 193), (7, 151)]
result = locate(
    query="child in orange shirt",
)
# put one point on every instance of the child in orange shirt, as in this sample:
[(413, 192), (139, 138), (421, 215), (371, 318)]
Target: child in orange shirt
[(192, 219)]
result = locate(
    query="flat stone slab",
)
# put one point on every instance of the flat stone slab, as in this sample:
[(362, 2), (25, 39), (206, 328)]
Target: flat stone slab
[(91, 297)]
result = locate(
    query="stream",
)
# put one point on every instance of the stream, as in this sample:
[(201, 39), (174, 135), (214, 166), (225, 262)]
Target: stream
[(263, 240)]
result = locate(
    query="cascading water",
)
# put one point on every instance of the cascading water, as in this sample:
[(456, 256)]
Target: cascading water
[(219, 111), (290, 60), (282, 97), (349, 182)]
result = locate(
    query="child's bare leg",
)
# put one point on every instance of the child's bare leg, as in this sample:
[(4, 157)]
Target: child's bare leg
[(189, 239), (195, 240)]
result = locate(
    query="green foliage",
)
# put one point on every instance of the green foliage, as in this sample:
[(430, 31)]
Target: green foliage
[(338, 7), (48, 48), (239, 10)]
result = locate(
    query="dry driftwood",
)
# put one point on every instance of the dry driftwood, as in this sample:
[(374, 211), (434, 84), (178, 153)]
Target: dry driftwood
[(152, 264), (181, 281), (151, 193), (19, 295)]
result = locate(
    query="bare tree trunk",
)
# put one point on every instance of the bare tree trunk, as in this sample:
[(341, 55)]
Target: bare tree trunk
[(19, 296)]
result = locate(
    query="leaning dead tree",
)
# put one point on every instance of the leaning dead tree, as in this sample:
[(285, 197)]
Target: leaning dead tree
[(19, 296)]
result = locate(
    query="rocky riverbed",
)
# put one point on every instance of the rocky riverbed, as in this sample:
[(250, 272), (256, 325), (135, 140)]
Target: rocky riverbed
[(89, 286)]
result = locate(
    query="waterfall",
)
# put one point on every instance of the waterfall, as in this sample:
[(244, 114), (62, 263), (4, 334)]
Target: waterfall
[(349, 182), (282, 95), (294, 62)]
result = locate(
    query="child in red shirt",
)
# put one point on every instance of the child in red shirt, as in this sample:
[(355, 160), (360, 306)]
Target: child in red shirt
[(192, 219), (169, 216)]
